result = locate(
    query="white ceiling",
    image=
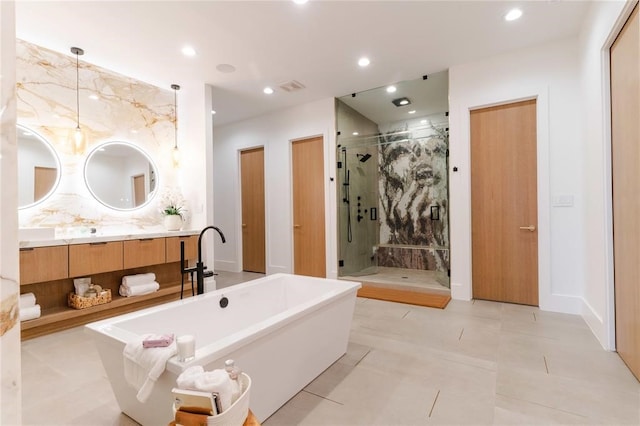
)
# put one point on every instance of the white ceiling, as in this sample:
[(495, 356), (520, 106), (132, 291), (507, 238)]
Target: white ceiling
[(271, 42)]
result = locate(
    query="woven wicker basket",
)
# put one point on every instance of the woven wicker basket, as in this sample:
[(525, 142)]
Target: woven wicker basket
[(239, 410), (79, 302)]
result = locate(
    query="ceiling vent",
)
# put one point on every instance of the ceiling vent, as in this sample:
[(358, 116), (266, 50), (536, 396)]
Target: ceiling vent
[(291, 86)]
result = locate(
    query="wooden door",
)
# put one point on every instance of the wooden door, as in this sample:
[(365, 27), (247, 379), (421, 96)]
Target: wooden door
[(504, 216), (253, 228), (308, 208), (43, 180), (139, 195), (625, 167)]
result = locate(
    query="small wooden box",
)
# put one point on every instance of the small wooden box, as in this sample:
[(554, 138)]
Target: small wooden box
[(79, 302)]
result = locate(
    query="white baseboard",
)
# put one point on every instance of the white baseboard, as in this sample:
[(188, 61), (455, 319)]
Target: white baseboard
[(562, 303), (460, 292), (595, 322), (227, 265)]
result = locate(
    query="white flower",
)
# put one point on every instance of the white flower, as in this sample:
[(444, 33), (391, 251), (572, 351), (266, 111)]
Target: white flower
[(172, 202)]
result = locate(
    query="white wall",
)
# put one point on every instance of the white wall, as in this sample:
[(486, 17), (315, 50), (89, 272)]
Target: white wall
[(548, 73), (275, 132), (603, 22)]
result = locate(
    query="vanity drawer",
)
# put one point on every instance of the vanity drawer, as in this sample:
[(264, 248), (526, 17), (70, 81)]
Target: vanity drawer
[(43, 264), (190, 248), (94, 258), (144, 252)]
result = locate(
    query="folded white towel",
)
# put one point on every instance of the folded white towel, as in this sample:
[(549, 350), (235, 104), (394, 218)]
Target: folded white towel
[(216, 381), (139, 279), (138, 290), (187, 379), (27, 300), (143, 366), (32, 312)]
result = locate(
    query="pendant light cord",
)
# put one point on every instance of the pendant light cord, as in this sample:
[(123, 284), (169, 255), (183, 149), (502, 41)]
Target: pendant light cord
[(175, 88), (77, 91)]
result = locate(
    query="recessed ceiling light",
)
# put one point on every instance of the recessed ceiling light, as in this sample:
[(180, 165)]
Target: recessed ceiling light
[(363, 62), (267, 90), (300, 1), (513, 14), (94, 97), (213, 112), (413, 111), (188, 51), (355, 133), (225, 68), (391, 89), (401, 102)]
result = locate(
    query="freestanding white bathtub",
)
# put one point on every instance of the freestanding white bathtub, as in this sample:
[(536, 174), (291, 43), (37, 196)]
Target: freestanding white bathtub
[(283, 330)]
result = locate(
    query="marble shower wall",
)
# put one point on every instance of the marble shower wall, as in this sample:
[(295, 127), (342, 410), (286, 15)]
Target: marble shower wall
[(413, 199), (123, 109)]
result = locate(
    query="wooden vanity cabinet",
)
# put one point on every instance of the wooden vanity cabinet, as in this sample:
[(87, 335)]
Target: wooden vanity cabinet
[(144, 252), (94, 258), (190, 248), (40, 264)]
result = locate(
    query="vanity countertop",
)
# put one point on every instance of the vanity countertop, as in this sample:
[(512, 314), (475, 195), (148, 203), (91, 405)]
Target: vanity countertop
[(97, 238)]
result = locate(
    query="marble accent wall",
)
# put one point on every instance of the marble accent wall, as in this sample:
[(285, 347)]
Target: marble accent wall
[(10, 378), (112, 108), (414, 197)]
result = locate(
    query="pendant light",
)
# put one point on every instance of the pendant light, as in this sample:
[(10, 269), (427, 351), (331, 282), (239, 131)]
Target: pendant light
[(78, 136), (176, 151)]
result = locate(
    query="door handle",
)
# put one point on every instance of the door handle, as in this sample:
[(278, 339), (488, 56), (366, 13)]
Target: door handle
[(296, 226), (528, 228), (244, 225)]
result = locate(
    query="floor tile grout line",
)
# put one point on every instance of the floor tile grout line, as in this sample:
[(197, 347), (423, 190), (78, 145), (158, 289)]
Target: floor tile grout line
[(534, 316), (461, 332), (546, 366), (360, 360), (320, 396), (541, 405), (434, 403)]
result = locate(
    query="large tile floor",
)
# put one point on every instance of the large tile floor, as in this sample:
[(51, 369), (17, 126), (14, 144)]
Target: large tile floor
[(477, 363)]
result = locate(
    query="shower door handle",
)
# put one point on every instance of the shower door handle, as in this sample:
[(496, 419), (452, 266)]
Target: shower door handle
[(528, 228), (296, 226)]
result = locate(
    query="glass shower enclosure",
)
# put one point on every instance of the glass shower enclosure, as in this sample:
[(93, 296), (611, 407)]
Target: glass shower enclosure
[(393, 197)]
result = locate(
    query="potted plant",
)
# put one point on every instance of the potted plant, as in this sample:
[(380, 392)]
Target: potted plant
[(173, 210)]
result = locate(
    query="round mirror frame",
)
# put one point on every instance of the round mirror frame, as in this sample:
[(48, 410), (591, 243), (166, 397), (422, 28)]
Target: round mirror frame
[(52, 151), (99, 148)]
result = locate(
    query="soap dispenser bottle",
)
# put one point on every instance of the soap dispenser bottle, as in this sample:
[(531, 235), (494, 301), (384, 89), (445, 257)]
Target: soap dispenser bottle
[(234, 375)]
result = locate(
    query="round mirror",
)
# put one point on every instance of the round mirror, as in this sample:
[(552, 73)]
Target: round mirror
[(38, 168), (120, 175)]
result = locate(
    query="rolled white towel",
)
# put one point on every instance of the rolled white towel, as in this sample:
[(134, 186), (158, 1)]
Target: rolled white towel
[(138, 290), (32, 312), (216, 381), (138, 279), (27, 300), (187, 379)]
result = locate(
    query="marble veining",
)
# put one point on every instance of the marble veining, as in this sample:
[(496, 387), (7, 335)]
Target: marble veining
[(124, 109), (413, 190), (8, 311)]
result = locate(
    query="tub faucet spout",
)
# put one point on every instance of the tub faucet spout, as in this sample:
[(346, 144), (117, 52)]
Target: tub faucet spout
[(200, 266)]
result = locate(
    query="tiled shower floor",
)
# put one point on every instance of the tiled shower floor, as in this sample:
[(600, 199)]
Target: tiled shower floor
[(410, 279), (474, 363)]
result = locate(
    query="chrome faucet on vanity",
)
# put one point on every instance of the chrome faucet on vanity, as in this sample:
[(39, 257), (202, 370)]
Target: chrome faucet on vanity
[(200, 266)]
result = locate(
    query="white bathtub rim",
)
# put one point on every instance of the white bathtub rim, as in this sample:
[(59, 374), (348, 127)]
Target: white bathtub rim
[(240, 338), (108, 328)]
